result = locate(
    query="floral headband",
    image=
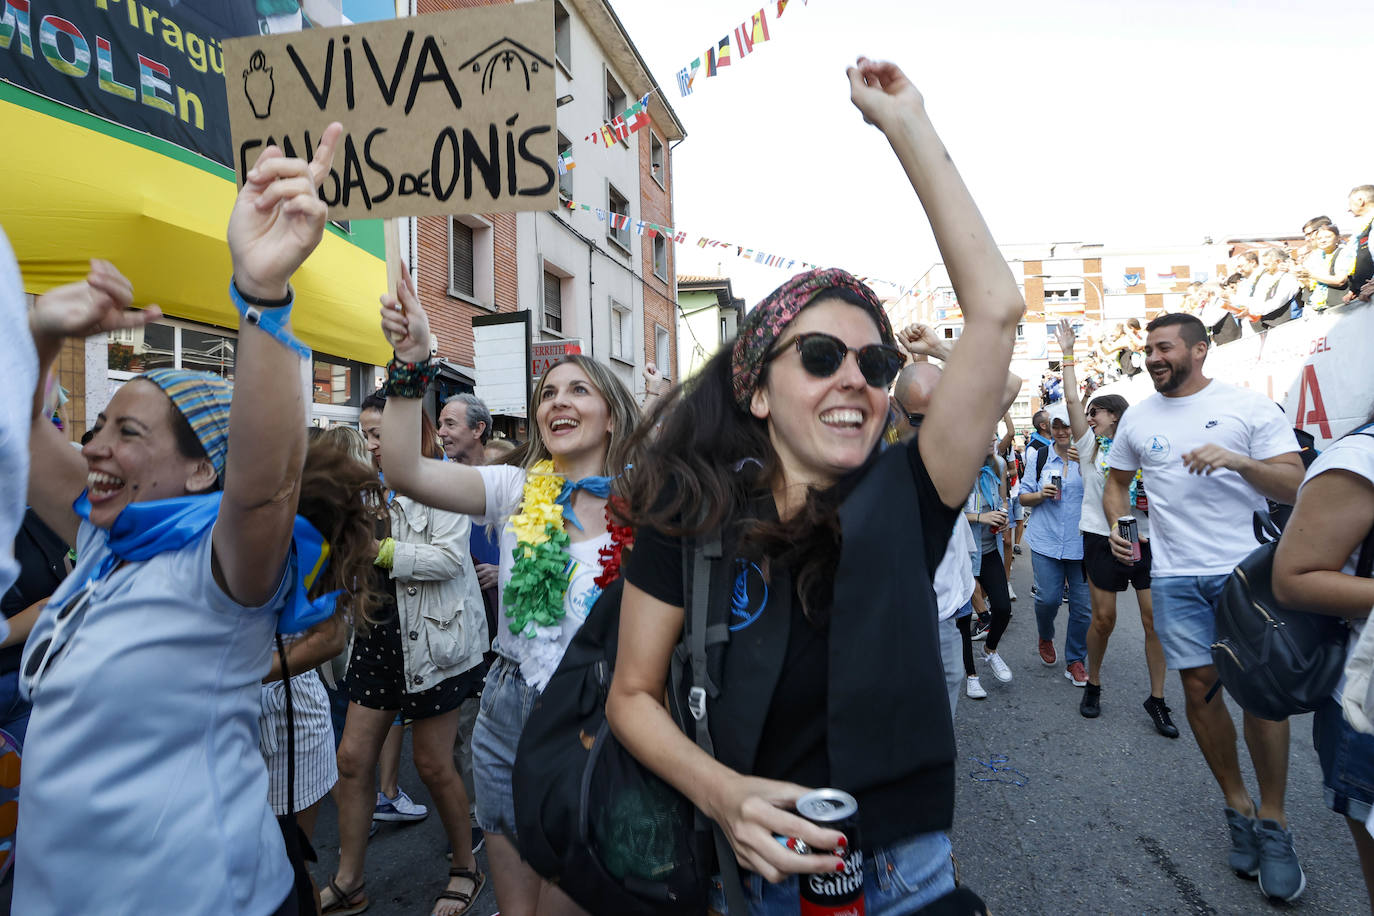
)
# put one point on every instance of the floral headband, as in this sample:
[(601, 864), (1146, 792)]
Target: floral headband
[(764, 325)]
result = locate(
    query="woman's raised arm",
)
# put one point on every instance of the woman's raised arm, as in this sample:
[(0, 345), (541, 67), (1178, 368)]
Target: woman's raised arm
[(277, 221), (441, 484), (1078, 420), (956, 427)]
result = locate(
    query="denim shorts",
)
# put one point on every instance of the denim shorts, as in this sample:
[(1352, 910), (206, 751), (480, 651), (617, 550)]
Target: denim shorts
[(1347, 759), (1017, 513), (898, 879), (506, 703), (1186, 618)]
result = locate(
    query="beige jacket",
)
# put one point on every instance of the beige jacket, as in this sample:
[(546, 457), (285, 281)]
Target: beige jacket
[(443, 620)]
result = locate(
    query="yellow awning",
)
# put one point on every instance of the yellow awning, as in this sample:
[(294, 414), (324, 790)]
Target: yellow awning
[(71, 194)]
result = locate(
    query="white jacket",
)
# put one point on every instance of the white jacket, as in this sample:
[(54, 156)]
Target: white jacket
[(442, 617)]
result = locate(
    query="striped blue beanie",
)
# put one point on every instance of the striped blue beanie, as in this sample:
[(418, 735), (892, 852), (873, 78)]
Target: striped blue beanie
[(203, 399)]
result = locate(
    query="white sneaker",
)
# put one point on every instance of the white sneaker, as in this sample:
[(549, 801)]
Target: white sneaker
[(1011, 591), (999, 667), (400, 808), (974, 689)]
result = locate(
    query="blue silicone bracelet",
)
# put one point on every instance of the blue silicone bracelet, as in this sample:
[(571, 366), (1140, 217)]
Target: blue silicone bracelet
[(273, 320)]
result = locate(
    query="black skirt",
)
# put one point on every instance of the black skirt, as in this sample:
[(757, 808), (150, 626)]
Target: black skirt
[(376, 674)]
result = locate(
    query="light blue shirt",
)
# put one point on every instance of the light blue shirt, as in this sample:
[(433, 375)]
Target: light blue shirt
[(1053, 527), (20, 360), (144, 790)]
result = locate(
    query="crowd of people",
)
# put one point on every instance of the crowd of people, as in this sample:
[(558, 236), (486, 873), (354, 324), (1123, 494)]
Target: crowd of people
[(204, 561), (1266, 286)]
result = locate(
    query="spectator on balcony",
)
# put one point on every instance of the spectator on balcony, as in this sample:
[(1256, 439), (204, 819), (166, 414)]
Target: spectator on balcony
[(1326, 269), (1278, 294), (1362, 266)]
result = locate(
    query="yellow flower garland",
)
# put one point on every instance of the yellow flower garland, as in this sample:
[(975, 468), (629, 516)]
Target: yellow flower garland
[(538, 507), (539, 573)]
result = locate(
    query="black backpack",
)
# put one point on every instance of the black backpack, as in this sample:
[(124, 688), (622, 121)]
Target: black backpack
[(1277, 661), (589, 817)]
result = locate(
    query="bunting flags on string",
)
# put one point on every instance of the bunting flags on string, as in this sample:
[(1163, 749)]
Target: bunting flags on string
[(627, 122), (565, 162), (679, 236), (749, 33)]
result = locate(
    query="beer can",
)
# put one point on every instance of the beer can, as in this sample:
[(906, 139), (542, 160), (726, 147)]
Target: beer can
[(1129, 530), (1058, 483), (838, 893)]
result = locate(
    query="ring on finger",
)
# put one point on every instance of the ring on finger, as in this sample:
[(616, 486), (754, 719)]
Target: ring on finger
[(794, 843)]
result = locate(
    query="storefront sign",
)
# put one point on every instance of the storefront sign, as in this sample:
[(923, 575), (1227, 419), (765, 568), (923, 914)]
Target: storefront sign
[(153, 65), (544, 353), (444, 113)]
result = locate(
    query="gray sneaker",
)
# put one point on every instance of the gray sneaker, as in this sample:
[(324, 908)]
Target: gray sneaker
[(1245, 846), (1280, 875)]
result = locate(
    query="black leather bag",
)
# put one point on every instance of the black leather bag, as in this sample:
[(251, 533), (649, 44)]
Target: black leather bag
[(590, 817), (1275, 661)]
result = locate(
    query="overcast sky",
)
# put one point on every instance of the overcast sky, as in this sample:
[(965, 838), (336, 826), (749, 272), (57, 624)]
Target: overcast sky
[(1122, 123), (1150, 122)]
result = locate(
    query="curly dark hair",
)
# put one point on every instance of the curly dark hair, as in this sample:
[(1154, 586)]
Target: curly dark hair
[(344, 500)]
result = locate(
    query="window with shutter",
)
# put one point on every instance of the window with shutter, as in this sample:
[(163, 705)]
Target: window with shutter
[(460, 247), (553, 302)]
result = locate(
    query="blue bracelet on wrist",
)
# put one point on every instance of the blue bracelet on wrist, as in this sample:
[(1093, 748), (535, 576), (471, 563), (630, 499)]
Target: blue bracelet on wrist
[(272, 320)]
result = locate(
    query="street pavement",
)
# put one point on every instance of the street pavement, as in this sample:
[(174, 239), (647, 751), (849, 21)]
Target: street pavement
[(1111, 819)]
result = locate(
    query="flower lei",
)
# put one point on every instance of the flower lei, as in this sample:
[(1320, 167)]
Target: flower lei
[(539, 576), (1104, 445)]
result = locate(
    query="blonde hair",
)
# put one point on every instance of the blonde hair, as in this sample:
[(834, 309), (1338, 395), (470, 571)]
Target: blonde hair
[(348, 440), (623, 409)]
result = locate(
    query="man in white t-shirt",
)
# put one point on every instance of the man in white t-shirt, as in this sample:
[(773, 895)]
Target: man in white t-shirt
[(1211, 453)]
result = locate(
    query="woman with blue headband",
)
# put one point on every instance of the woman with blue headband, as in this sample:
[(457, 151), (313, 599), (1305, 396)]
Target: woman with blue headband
[(144, 791)]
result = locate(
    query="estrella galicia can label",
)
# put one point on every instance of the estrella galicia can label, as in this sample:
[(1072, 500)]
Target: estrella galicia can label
[(839, 893)]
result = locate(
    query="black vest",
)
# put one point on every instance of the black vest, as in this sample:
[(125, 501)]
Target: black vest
[(890, 736)]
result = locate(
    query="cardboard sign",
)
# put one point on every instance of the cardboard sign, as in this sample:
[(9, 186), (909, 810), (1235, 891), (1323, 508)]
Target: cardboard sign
[(444, 113), (544, 353)]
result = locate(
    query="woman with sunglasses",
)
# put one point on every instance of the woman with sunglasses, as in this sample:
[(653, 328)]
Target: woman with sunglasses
[(830, 544), (143, 786), (1107, 577), (551, 507)]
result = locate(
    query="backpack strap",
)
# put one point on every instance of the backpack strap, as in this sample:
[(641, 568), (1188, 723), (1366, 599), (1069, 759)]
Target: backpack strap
[(697, 576)]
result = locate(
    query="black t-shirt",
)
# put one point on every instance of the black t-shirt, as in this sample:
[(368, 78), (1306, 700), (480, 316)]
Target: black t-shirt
[(792, 745), (41, 555)]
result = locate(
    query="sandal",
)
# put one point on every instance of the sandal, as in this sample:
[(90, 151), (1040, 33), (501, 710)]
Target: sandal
[(478, 880), (346, 903)]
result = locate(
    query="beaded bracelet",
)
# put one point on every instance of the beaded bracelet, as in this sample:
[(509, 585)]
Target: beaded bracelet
[(409, 380)]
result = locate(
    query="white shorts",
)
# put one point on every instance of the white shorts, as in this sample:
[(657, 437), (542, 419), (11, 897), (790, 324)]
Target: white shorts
[(317, 767)]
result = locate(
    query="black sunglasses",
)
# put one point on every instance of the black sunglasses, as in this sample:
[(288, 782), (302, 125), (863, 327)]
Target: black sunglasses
[(914, 419), (823, 354)]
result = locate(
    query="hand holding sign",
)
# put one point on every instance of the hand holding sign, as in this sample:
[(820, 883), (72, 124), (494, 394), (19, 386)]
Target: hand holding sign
[(404, 321), (279, 218)]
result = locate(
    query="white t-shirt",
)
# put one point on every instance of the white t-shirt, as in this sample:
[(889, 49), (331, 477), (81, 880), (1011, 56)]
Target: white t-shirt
[(1356, 455), (954, 575), (1093, 519), (1202, 525), (539, 656)]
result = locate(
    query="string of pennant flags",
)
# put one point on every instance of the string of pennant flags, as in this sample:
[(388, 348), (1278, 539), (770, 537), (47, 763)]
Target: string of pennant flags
[(748, 34), (756, 255)]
